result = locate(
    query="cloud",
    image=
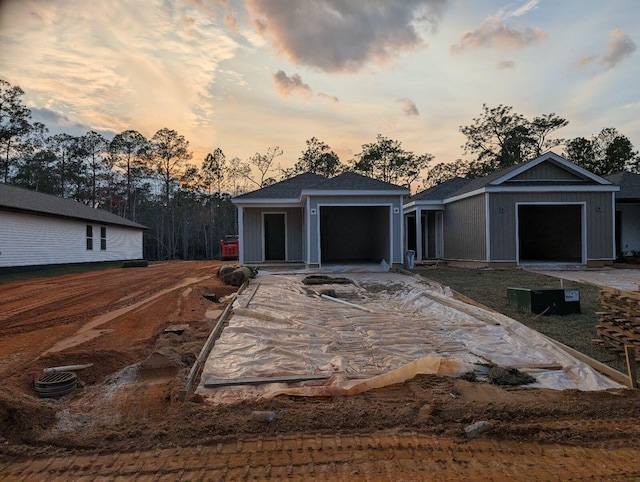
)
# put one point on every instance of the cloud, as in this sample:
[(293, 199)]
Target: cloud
[(520, 11), (286, 86), (330, 98), (619, 46), (495, 34), (58, 123), (408, 107), (344, 36), (113, 65), (506, 64), (585, 61)]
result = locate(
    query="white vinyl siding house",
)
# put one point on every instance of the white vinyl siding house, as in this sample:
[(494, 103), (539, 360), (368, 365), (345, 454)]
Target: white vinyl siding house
[(38, 229)]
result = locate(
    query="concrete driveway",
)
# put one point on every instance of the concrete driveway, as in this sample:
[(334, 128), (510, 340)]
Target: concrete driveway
[(622, 279)]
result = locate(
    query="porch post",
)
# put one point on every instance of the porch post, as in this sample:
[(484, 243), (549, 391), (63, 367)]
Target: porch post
[(418, 234)]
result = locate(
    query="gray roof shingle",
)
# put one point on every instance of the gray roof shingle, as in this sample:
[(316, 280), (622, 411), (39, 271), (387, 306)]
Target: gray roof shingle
[(292, 188), (629, 183), (287, 189), (356, 182), (18, 199), (441, 191)]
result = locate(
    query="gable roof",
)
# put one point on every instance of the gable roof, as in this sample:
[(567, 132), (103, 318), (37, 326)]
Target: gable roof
[(442, 190), (629, 183), (295, 188), (356, 182), (500, 180), (287, 189), (17, 199)]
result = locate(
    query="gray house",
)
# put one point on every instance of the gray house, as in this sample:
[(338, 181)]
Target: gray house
[(542, 211), (318, 221), (627, 212), (41, 229)]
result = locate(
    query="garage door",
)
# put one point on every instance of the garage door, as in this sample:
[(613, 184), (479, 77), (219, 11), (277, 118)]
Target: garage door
[(550, 233), (358, 234)]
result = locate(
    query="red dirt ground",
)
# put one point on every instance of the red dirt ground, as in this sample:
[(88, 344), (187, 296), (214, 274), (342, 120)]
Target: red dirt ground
[(127, 402)]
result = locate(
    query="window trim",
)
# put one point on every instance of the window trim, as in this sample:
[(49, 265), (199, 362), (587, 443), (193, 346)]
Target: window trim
[(89, 236)]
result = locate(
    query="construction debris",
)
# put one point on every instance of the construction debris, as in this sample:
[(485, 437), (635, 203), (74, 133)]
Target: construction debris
[(505, 376), (178, 329), (67, 368), (318, 279), (619, 324)]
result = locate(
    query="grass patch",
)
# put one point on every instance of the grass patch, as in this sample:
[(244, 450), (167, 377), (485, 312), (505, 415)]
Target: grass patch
[(489, 287)]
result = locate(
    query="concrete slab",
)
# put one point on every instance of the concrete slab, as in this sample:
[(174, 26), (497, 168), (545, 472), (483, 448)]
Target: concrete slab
[(621, 279)]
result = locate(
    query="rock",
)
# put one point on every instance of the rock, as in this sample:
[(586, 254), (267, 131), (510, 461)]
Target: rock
[(477, 428), (264, 417)]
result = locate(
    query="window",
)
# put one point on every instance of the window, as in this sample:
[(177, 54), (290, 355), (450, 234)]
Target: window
[(89, 236), (103, 238)]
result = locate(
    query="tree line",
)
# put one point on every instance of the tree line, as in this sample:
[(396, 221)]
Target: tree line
[(188, 208)]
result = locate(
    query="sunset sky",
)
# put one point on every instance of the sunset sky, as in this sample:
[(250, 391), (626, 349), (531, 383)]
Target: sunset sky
[(247, 75)]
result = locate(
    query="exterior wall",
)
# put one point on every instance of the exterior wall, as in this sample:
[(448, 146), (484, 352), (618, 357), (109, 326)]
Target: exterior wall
[(502, 216), (252, 238), (394, 202), (630, 235), (546, 171), (29, 240), (464, 229)]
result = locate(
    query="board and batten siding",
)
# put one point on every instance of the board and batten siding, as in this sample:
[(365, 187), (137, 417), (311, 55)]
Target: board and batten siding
[(502, 215), (546, 171), (252, 238), (393, 201), (464, 229), (30, 240)]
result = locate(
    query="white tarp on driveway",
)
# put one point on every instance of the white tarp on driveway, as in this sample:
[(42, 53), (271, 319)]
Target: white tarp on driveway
[(282, 327)]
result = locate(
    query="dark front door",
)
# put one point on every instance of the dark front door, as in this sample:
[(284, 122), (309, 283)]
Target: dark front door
[(274, 237)]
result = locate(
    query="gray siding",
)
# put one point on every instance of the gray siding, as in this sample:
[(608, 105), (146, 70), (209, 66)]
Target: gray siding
[(464, 229), (253, 232), (394, 202), (27, 240), (547, 171), (502, 214)]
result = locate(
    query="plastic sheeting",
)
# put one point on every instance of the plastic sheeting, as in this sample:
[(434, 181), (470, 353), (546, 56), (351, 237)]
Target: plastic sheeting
[(281, 327)]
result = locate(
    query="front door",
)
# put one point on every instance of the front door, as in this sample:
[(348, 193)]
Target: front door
[(274, 237)]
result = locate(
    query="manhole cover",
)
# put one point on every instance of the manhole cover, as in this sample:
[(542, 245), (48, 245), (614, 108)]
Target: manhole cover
[(56, 384)]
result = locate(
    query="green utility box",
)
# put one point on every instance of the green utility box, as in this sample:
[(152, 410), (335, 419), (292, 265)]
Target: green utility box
[(545, 301)]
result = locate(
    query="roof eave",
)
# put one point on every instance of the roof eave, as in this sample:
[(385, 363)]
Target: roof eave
[(545, 157)]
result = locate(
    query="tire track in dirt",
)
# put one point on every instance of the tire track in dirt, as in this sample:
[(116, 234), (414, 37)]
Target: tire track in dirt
[(372, 456), (90, 329)]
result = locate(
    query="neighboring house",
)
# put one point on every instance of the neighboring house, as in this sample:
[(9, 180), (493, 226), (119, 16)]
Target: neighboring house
[(41, 229), (546, 210), (311, 219), (627, 212)]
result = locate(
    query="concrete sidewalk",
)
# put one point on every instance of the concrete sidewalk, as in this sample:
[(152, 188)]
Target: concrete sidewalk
[(621, 279)]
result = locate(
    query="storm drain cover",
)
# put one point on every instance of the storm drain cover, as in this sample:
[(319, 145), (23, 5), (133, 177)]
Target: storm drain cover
[(56, 384)]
